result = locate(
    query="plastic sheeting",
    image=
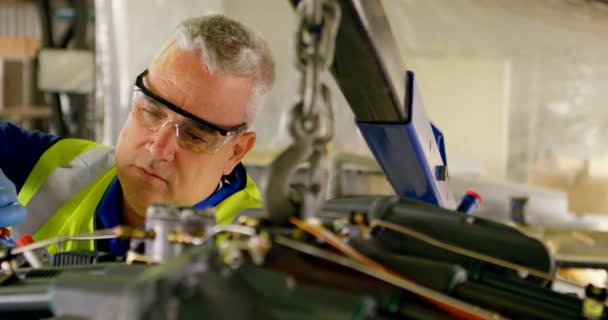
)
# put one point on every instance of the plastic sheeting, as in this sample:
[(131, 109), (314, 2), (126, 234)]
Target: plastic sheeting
[(558, 72)]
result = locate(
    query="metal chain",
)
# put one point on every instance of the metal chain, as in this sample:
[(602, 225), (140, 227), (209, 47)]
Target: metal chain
[(315, 38), (315, 43), (311, 116)]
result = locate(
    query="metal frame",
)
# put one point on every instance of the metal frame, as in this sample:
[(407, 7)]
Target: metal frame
[(387, 105)]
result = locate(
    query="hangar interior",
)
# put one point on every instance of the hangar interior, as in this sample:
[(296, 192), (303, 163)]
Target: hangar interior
[(516, 88)]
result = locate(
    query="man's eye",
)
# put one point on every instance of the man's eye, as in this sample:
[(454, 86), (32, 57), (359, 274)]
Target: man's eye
[(194, 137), (151, 111)]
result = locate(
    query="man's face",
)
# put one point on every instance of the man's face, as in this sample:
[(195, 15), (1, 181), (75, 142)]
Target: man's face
[(154, 165)]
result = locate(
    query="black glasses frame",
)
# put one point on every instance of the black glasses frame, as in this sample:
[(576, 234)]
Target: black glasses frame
[(139, 83)]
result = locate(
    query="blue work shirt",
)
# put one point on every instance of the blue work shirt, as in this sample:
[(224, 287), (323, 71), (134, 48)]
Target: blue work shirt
[(106, 215), (20, 149)]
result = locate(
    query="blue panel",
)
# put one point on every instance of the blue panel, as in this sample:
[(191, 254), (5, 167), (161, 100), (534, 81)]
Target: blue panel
[(411, 154), (398, 155)]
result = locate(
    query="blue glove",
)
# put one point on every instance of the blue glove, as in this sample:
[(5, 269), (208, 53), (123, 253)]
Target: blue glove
[(11, 212)]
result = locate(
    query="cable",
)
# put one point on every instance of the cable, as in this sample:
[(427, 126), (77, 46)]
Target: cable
[(340, 245), (96, 235), (467, 253), (127, 232), (234, 228), (452, 305), (336, 243)]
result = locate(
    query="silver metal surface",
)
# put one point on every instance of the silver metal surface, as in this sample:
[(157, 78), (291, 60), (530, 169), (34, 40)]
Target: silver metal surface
[(96, 235), (24, 298), (571, 246), (166, 219)]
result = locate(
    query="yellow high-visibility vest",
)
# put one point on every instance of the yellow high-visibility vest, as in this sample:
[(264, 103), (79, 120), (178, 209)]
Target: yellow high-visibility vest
[(63, 190)]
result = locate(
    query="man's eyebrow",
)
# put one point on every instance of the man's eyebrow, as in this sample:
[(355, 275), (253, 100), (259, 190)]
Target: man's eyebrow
[(154, 101), (151, 99), (197, 124)]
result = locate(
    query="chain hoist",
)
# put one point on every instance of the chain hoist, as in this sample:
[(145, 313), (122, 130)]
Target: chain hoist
[(311, 116)]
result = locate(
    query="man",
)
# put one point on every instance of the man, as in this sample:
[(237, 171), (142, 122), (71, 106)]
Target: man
[(182, 143)]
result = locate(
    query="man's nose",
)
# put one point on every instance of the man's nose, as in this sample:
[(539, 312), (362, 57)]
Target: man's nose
[(163, 143)]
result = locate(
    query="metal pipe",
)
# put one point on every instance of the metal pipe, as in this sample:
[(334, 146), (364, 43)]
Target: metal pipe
[(97, 235), (468, 253), (515, 305), (28, 298), (468, 311)]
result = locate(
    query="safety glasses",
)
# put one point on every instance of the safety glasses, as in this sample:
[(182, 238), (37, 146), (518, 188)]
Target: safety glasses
[(193, 133)]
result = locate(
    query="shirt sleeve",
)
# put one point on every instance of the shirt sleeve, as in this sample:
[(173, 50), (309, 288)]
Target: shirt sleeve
[(20, 149)]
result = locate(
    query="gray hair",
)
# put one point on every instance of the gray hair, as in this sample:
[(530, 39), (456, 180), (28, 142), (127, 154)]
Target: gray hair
[(228, 46)]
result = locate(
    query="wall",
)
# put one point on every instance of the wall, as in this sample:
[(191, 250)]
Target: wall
[(467, 98)]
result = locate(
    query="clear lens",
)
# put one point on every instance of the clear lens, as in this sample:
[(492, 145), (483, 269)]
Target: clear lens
[(192, 136), (199, 139)]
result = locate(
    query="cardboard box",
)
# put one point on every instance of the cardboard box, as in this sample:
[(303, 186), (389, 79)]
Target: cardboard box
[(19, 47)]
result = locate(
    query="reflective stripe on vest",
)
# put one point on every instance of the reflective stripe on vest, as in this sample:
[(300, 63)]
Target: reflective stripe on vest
[(61, 173), (67, 183)]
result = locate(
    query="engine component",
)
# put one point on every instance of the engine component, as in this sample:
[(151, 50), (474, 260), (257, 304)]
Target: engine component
[(170, 222)]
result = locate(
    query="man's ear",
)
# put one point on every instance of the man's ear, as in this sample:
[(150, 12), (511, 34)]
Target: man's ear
[(240, 147)]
